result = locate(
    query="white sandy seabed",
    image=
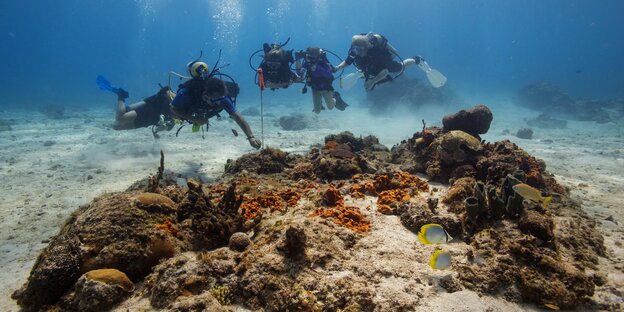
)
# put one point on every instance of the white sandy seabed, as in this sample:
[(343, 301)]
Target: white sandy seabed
[(50, 167)]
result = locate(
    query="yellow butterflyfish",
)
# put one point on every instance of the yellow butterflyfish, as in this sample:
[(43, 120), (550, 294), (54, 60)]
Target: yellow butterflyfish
[(433, 234), (440, 260)]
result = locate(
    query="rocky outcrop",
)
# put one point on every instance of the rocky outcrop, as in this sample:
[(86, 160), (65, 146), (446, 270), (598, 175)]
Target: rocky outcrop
[(474, 121), (280, 232)]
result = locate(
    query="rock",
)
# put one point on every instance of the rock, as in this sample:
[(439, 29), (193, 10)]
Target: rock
[(450, 284), (202, 302), (294, 122), (294, 243), (474, 121), (56, 270), (408, 93), (546, 122), (544, 96), (48, 143), (99, 290), (5, 125), (53, 111), (379, 148), (537, 224), (525, 133), (239, 241)]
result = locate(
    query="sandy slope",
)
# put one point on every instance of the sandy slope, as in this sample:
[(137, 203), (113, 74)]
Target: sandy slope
[(42, 183)]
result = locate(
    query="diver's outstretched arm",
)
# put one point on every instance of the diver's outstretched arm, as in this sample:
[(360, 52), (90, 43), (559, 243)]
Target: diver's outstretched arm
[(242, 123), (342, 65)]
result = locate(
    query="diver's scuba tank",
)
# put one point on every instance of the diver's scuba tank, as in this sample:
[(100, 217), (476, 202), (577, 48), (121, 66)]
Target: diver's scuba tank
[(198, 69)]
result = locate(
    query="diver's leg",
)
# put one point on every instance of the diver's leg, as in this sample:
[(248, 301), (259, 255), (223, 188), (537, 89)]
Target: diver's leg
[(121, 108), (126, 115), (328, 95), (370, 83), (408, 62), (412, 61), (316, 99)]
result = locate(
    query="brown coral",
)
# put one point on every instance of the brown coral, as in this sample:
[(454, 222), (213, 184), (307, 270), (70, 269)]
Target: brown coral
[(111, 276), (153, 201)]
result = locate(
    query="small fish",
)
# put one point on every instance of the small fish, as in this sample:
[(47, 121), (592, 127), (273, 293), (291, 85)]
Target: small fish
[(578, 71), (235, 132), (551, 306), (440, 260), (433, 234), (530, 193)]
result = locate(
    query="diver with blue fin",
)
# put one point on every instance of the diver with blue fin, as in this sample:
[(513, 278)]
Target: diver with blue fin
[(204, 95), (152, 111), (276, 65), (319, 75), (374, 57)]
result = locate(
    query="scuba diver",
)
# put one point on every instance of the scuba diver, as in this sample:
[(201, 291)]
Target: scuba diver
[(152, 111), (205, 96), (374, 56), (318, 73), (276, 66)]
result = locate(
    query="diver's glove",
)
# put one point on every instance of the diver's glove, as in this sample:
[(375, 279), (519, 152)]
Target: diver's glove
[(255, 143), (334, 69), (418, 59)]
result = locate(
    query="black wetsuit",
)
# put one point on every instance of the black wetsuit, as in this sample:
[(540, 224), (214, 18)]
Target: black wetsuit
[(155, 105), (377, 58), (189, 97), (280, 73)]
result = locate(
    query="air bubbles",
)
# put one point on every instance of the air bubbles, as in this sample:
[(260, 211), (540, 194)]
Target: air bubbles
[(227, 17)]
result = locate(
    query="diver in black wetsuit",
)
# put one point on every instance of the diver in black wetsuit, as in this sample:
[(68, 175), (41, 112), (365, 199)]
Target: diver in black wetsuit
[(152, 111), (276, 65), (205, 96), (375, 57)]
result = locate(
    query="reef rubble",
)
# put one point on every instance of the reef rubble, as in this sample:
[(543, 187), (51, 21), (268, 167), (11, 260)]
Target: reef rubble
[(331, 230)]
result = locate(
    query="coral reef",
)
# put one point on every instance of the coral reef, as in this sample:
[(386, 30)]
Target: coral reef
[(474, 121), (310, 232), (266, 161)]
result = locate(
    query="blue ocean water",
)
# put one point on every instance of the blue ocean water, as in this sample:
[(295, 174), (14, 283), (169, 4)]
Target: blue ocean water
[(51, 51)]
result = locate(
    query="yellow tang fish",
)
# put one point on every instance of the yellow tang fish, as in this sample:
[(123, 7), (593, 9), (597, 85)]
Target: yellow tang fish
[(530, 193), (440, 260), (433, 234)]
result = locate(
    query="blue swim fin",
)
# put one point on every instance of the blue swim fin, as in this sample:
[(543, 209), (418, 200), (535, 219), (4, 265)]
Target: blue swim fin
[(105, 85)]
